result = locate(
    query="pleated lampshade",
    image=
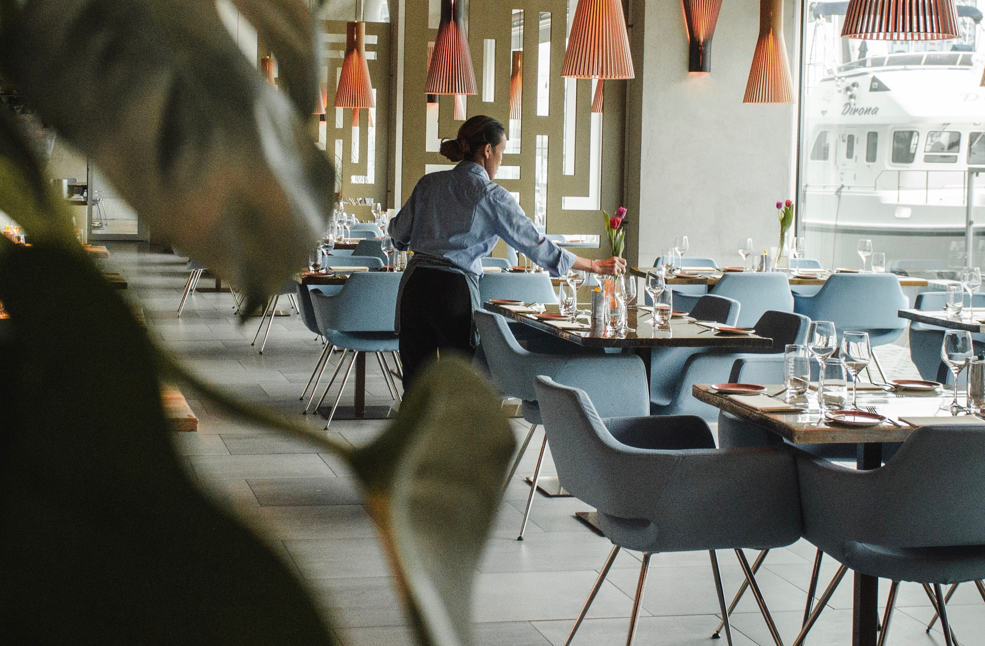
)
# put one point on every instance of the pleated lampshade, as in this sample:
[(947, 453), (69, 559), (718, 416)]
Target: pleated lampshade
[(267, 69), (769, 78), (355, 89), (901, 20), (451, 70), (319, 104), (598, 46), (516, 85), (431, 98), (701, 17)]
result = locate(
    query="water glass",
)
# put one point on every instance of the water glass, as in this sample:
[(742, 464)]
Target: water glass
[(864, 251), (955, 299), (879, 263), (663, 306), (976, 384), (615, 290), (832, 388), (315, 262), (761, 262), (566, 299), (796, 369)]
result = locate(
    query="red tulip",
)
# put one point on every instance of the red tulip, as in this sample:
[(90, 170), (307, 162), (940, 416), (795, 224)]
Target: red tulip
[(788, 203), (614, 223)]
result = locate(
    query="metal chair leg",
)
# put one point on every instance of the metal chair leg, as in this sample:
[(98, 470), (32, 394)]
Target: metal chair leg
[(949, 636), (721, 596), (317, 372), (383, 368), (330, 382), (294, 303), (263, 317), (198, 276), (742, 590), (634, 619), (345, 380), (187, 290), (812, 589), (388, 375), (533, 488), (890, 604), (949, 639), (270, 322), (981, 589), (591, 595), (823, 601), (400, 365), (947, 597), (758, 595), (519, 455)]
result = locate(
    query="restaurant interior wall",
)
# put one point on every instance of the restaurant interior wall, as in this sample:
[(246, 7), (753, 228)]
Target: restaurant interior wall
[(711, 167)]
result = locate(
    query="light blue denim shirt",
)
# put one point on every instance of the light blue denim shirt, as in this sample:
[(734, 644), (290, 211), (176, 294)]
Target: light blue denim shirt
[(460, 214)]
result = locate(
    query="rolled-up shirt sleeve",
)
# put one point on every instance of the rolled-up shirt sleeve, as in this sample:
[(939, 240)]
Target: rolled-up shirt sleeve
[(402, 225), (518, 231)]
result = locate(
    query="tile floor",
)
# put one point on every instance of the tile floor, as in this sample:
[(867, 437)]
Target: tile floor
[(526, 593)]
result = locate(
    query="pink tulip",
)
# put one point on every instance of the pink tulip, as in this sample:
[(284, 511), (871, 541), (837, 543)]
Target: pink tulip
[(779, 205), (620, 213)]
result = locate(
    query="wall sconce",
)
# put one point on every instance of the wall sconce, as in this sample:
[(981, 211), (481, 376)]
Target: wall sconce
[(516, 85), (901, 20), (450, 71), (769, 78), (701, 17), (598, 45)]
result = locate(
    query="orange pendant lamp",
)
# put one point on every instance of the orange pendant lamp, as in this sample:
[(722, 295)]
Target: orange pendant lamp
[(901, 20), (450, 71), (769, 78), (432, 98), (701, 17), (516, 85), (355, 88), (598, 45), (267, 69)]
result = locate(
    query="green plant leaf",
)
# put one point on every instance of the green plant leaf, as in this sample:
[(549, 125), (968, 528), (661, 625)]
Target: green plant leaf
[(104, 539), (159, 96), (287, 27), (433, 481)]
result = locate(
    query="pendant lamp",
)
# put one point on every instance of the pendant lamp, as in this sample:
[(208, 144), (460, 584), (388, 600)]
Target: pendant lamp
[(769, 78), (432, 98), (355, 89), (319, 105), (267, 69), (701, 17), (598, 45), (451, 71), (901, 20), (516, 85)]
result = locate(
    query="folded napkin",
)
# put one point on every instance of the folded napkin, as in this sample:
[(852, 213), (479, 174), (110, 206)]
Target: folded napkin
[(765, 404), (517, 308), (845, 270), (567, 325), (814, 271), (692, 270), (348, 269), (962, 420), (492, 270)]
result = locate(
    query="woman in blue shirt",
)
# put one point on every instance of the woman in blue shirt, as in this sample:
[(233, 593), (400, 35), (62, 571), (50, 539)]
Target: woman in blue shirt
[(451, 221)]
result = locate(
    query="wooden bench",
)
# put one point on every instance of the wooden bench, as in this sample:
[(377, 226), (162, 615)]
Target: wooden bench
[(177, 410)]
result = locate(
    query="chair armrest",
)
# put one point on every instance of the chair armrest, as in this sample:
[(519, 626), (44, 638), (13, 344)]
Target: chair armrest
[(661, 432), (685, 302), (757, 369)]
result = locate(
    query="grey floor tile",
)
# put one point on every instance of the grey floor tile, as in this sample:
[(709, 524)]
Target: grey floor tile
[(198, 444), (359, 601), (293, 492), (547, 552), (338, 558), (694, 630), (269, 443), (259, 466), (532, 596), (375, 636), (329, 522), (514, 633)]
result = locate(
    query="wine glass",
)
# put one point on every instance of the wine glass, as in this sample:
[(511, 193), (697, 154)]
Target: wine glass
[(386, 245), (856, 352), (681, 246), (567, 300), (864, 251), (631, 290), (378, 214), (797, 250), (955, 352), (575, 279), (655, 285), (315, 260), (822, 340), (327, 244), (745, 248), (971, 279)]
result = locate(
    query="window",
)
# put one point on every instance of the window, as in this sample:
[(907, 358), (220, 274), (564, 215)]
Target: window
[(942, 147), (871, 147), (905, 146), (850, 147), (821, 148), (976, 148)]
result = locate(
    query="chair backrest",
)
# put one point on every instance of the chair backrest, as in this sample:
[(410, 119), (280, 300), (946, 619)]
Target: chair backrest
[(758, 292), (784, 328), (366, 303), (365, 230), (307, 310), (370, 248), (501, 263), (354, 261), (859, 302), (194, 265), (532, 288), (719, 309), (916, 265), (689, 261), (805, 263)]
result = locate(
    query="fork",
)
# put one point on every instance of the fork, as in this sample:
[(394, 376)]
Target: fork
[(872, 409)]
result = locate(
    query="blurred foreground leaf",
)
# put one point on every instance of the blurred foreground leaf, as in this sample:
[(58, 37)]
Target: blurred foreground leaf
[(157, 93), (103, 538), (433, 482)]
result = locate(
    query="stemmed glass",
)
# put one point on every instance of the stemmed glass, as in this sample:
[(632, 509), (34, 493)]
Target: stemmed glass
[(327, 244), (669, 258), (378, 214), (856, 352), (575, 279), (864, 251), (681, 246), (745, 248), (567, 300), (655, 285), (386, 245), (955, 352), (630, 290), (617, 313), (822, 340), (971, 279), (797, 249)]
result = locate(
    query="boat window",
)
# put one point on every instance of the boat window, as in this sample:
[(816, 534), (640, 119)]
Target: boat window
[(948, 58), (871, 147), (905, 59), (976, 148), (905, 146), (942, 147), (821, 148), (850, 147)]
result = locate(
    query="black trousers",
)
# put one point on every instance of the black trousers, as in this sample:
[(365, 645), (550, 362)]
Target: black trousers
[(435, 317)]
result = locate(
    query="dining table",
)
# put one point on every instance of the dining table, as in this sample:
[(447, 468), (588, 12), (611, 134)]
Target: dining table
[(710, 276), (804, 423), (974, 324)]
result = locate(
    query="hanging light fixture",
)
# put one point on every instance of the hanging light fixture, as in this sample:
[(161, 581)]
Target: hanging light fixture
[(516, 85), (450, 70), (355, 89), (267, 69), (701, 17), (769, 78), (901, 20), (319, 105), (432, 98), (598, 45)]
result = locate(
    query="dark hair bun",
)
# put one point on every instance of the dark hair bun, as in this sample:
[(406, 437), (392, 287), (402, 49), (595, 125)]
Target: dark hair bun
[(452, 149)]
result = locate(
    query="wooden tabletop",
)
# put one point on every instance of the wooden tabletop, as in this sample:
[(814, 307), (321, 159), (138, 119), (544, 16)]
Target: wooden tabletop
[(941, 319), (808, 426), (96, 250), (710, 278), (332, 278), (681, 333)]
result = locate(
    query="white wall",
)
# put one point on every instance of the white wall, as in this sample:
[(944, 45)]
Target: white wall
[(712, 167)]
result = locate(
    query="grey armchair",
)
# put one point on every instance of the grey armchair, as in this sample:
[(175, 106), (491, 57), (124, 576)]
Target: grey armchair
[(660, 486)]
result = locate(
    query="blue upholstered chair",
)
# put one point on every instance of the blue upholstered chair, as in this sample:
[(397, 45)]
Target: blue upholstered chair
[(365, 230), (500, 263), (926, 340), (195, 268), (805, 263), (918, 518), (359, 318), (689, 261), (532, 288), (371, 247), (659, 485), (860, 303), (707, 366), (757, 291), (270, 311), (513, 369), (354, 261)]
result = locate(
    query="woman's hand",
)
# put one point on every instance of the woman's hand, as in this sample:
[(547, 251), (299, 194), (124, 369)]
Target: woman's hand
[(611, 267)]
